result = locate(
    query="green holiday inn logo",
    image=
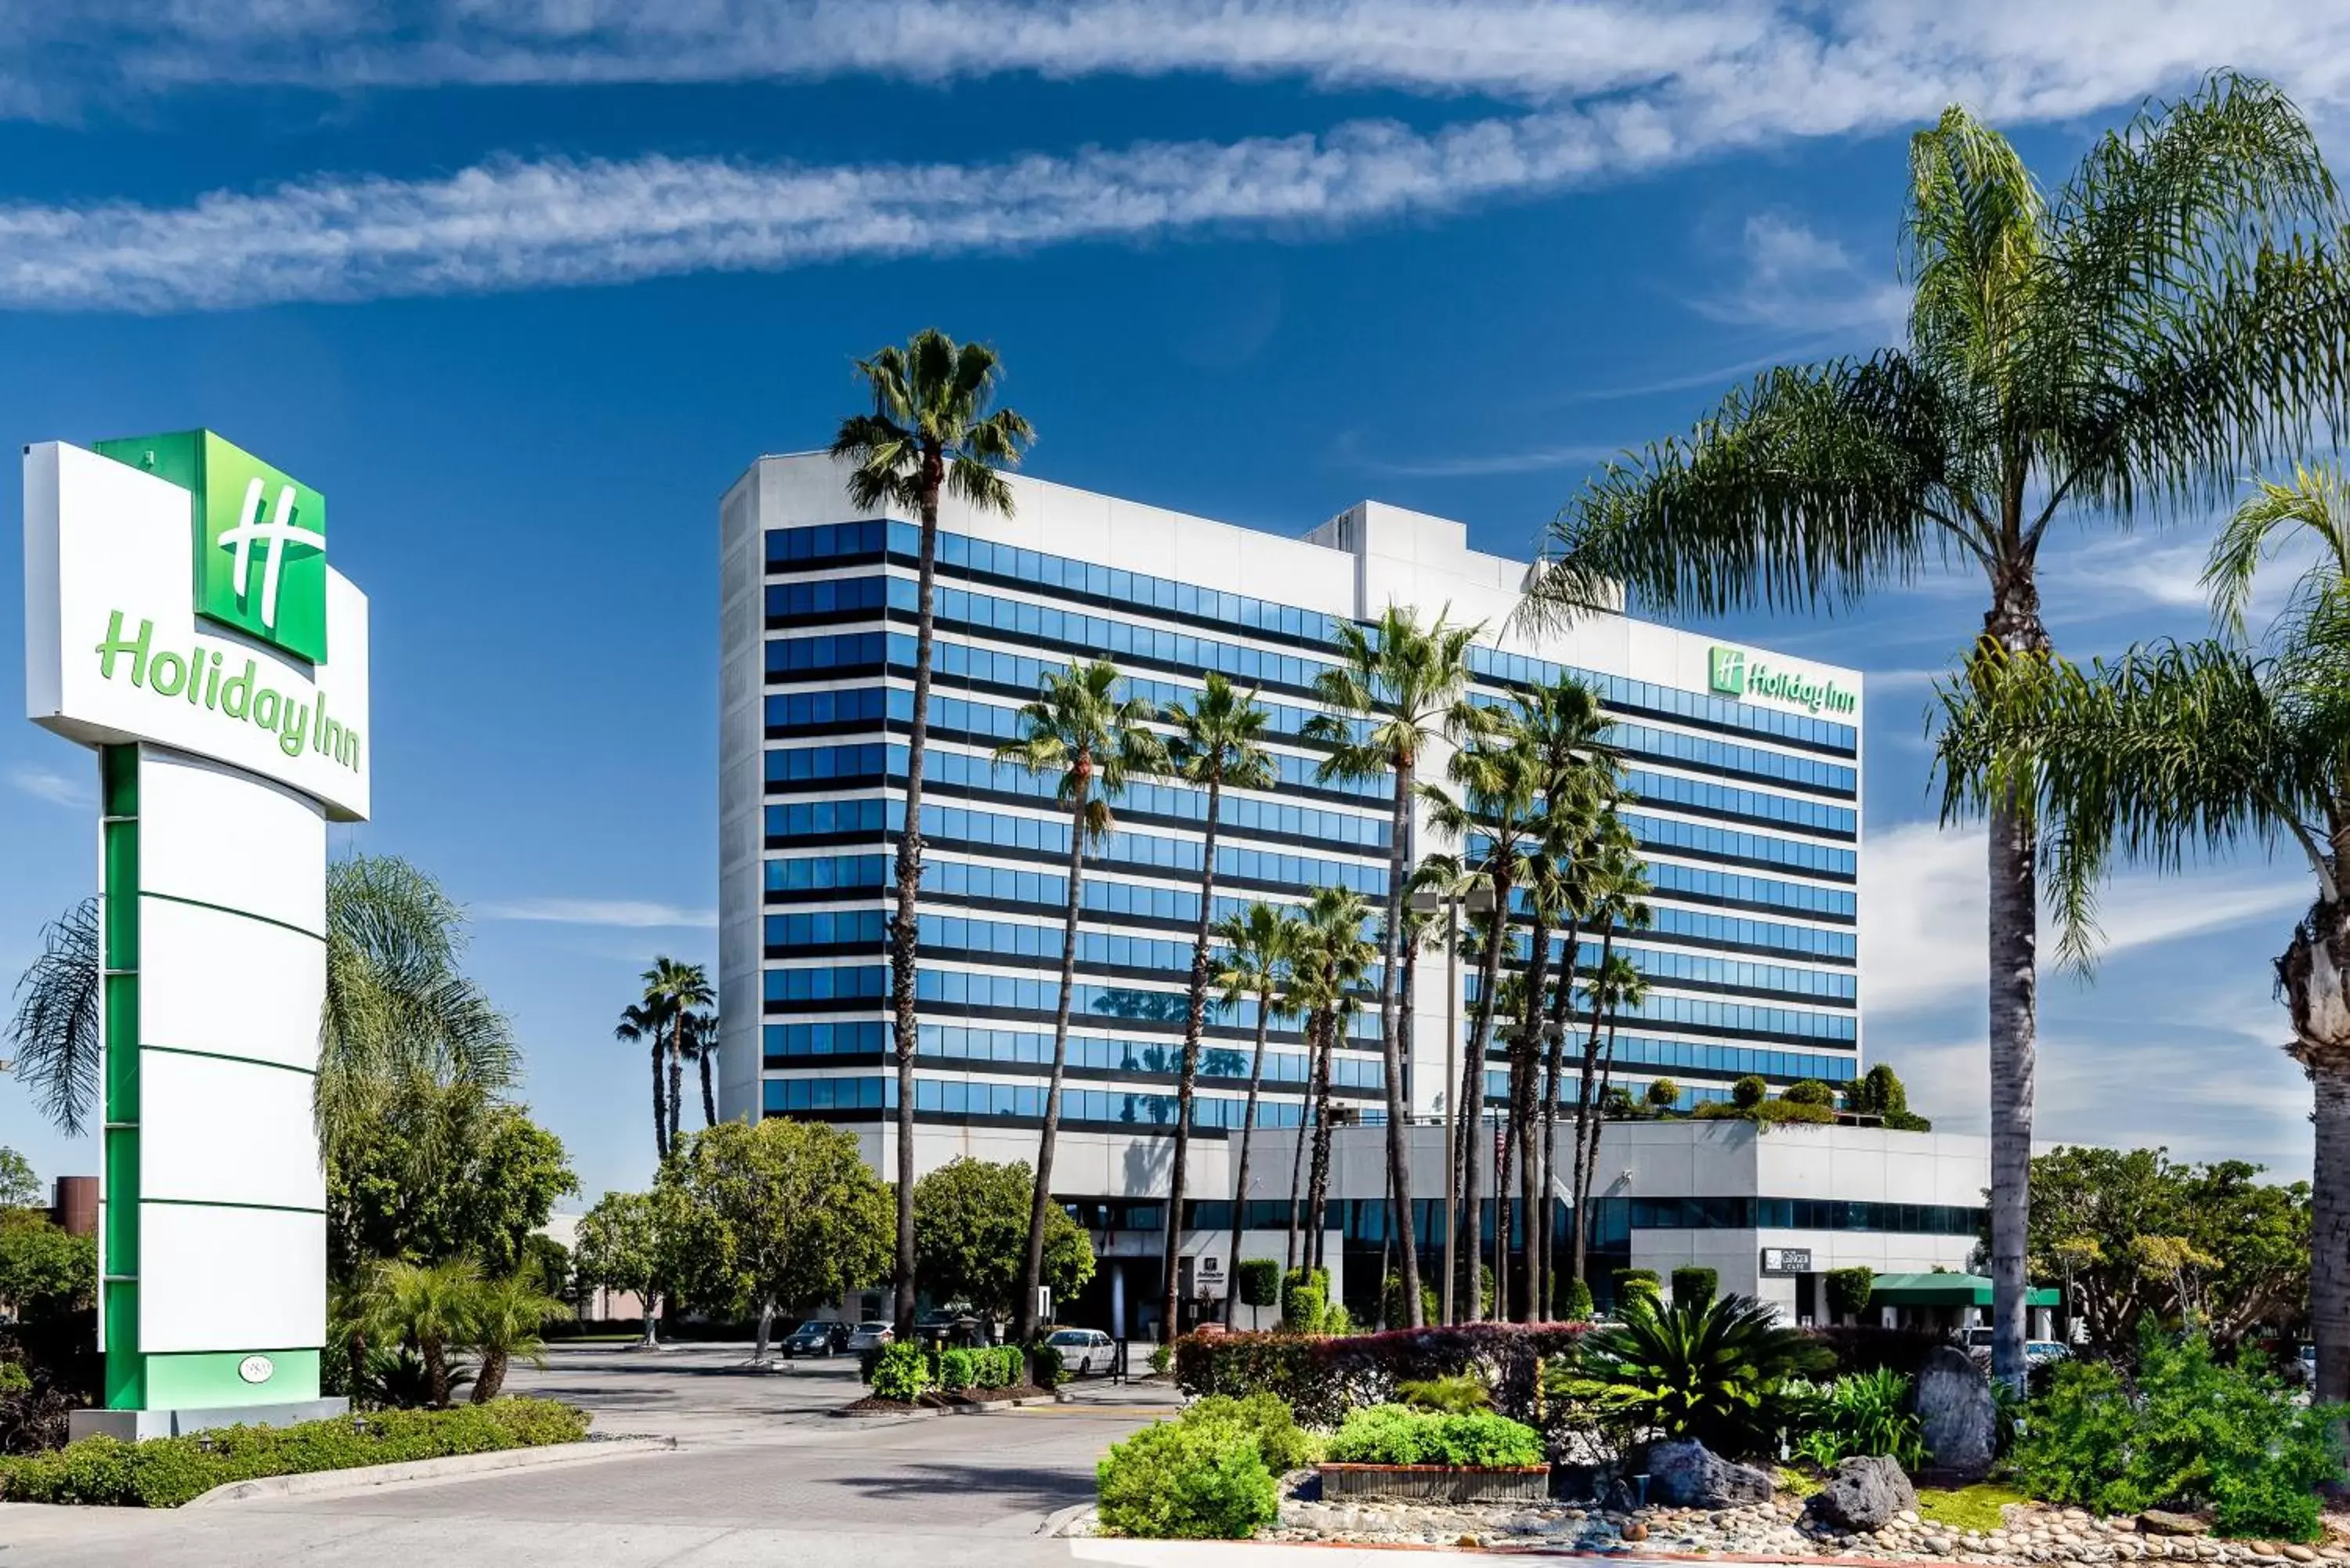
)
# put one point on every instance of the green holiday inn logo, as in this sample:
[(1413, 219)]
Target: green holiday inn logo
[(1730, 673), (260, 537)]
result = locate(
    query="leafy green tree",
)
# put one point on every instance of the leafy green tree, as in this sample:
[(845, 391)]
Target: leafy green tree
[(1393, 690), (1663, 1094), (494, 1179), (1258, 945), (1080, 731), (933, 431), (1219, 741), (644, 1243), (19, 1188), (801, 1218), (2166, 321), (44, 1271), (972, 1216), (506, 1321)]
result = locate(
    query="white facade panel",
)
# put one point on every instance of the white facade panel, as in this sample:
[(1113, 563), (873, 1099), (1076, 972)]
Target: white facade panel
[(213, 1131), (229, 985), (230, 1279), (216, 836)]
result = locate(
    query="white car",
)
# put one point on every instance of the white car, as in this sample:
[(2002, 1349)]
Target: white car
[(1083, 1351), (871, 1335)]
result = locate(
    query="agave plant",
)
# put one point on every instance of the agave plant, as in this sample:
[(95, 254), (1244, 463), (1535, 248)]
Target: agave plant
[(1715, 1371)]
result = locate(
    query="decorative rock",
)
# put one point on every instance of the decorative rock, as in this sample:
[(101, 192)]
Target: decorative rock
[(1691, 1475), (1635, 1531), (1952, 1398), (1866, 1493), (2154, 1522)]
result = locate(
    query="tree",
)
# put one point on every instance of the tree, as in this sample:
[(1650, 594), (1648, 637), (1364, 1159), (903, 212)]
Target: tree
[(1617, 886), (493, 1180), (427, 1305), (44, 1271), (1326, 973), (1616, 986), (800, 1218), (700, 1046), (1090, 740), (1218, 742), (933, 431), (974, 1219), (1394, 690), (677, 993), (2173, 317), (1258, 945), (642, 1024), (19, 1188), (1663, 1094), (504, 1321), (643, 1243)]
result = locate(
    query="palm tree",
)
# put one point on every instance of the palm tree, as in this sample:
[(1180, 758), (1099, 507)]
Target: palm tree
[(1394, 688), (2174, 749), (1617, 986), (641, 1024), (398, 1009), (676, 992), (1337, 955), (1619, 889), (1217, 742), (428, 1305), (2171, 318), (502, 1322), (1092, 740), (699, 1043), (1258, 944), (933, 430)]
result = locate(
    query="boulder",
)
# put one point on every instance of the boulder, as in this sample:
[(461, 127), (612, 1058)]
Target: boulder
[(1865, 1493), (1691, 1475), (2154, 1522), (1952, 1398)]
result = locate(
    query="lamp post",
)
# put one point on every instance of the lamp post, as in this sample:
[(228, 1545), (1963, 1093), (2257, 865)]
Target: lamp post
[(1479, 900)]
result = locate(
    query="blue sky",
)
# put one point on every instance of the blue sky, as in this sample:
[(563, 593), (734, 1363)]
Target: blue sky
[(543, 277)]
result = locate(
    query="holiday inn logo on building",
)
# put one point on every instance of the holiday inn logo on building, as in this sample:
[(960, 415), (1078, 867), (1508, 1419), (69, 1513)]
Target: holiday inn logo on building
[(260, 537), (1728, 672)]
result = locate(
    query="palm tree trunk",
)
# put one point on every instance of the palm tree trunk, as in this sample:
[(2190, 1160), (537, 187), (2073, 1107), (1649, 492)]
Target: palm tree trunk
[(1469, 1113), (1297, 1150), (491, 1377), (1505, 1149), (676, 1073), (1562, 1003), (1032, 1266), (1587, 1129), (1390, 1042), (435, 1355), (904, 928), (1537, 1172), (1317, 1182), (660, 1100), (1241, 1176), (709, 1100), (2014, 983), (2314, 975), (1195, 1018), (1553, 1050), (1590, 1156)]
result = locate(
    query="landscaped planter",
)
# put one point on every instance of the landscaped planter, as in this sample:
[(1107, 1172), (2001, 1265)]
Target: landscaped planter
[(1436, 1483)]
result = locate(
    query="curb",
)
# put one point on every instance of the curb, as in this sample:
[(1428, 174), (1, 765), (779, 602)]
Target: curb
[(844, 1414), (451, 1466), (1058, 1521)]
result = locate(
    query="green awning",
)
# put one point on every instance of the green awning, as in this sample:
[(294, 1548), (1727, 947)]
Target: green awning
[(1945, 1290)]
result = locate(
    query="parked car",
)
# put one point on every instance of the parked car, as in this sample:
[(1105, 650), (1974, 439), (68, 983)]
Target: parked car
[(954, 1328), (872, 1334), (1083, 1351), (816, 1338), (2039, 1352)]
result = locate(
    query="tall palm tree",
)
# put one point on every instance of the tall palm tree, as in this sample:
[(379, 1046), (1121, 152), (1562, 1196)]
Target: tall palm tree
[(677, 992), (1337, 956), (1497, 821), (1258, 944), (1091, 740), (934, 431), (1617, 986), (1395, 688), (1619, 889), (1218, 740), (701, 1044), (399, 1008), (2174, 749), (641, 1024), (2172, 317)]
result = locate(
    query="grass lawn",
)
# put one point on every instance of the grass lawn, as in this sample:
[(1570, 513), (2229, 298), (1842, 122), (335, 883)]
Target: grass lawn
[(1966, 1508)]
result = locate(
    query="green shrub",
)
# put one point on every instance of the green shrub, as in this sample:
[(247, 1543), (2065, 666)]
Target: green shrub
[(1663, 1094), (1809, 1092), (1162, 1357), (13, 1378), (1046, 1366), (1749, 1092), (1284, 1445), (1715, 1371), (1336, 1319), (1259, 1280), (1461, 1392), (2193, 1433), (1322, 1379), (1187, 1480), (1401, 1434), (958, 1369), (1576, 1307), (1767, 1113), (1849, 1290), (1631, 1282), (998, 1366), (1693, 1283), (1865, 1413), (165, 1472), (1391, 1302), (903, 1374), (1305, 1301)]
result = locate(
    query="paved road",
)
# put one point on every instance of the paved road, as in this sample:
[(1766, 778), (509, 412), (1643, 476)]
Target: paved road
[(761, 1475)]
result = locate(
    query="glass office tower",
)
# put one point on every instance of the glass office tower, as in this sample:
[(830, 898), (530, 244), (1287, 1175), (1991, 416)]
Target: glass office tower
[(1746, 770)]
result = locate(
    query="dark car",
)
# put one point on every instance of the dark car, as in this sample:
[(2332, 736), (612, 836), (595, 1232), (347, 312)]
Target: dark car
[(813, 1338)]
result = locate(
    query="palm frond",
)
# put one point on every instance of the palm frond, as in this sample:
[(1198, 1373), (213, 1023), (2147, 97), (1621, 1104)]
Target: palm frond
[(57, 1036)]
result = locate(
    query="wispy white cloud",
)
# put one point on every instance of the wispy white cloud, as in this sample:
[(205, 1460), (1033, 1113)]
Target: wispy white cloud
[(634, 914), (50, 785), (1526, 460), (1798, 281), (1615, 92)]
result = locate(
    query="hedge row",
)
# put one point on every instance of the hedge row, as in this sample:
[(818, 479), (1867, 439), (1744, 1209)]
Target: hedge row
[(1322, 1379), (164, 1473), (991, 1367)]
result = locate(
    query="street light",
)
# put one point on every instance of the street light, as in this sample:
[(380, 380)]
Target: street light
[(1479, 899)]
